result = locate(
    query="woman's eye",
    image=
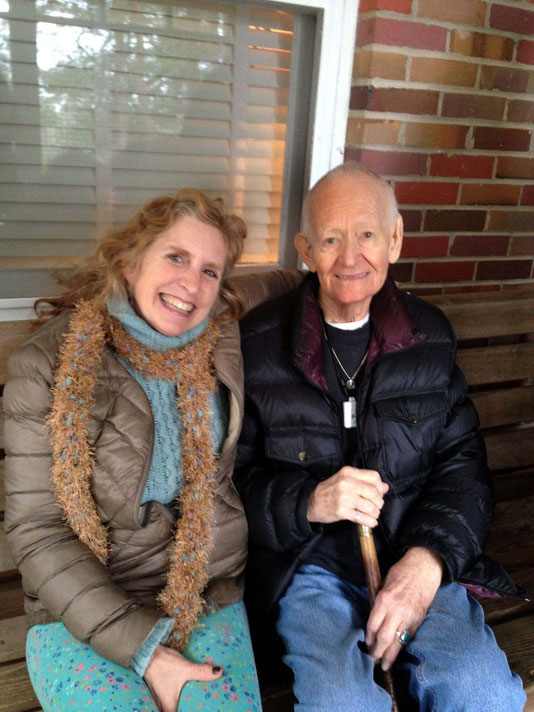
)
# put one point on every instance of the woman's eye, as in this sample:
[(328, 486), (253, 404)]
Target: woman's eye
[(211, 273), (175, 258), (368, 233)]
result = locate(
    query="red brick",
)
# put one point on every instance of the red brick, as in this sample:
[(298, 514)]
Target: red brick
[(504, 269), (426, 193), (401, 271), (461, 165), (425, 291), (498, 139), (474, 245), (444, 271), (411, 219), (432, 70), (513, 220), (454, 220), (400, 33), (404, 6), (504, 79), (525, 52), (527, 196), (369, 131), (522, 245), (473, 105), (520, 111), (406, 101), (435, 135), (372, 63), (465, 288), (390, 163), (427, 246), (461, 12), (513, 167), (490, 194), (512, 19), (479, 44)]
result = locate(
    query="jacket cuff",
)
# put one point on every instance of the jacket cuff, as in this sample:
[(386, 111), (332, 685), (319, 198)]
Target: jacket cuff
[(120, 640), (305, 527), (159, 635)]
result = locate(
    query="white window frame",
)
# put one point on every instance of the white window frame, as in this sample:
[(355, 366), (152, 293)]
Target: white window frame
[(329, 104)]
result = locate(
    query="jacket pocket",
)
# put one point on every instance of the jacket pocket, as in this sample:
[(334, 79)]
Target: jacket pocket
[(302, 446), (409, 428)]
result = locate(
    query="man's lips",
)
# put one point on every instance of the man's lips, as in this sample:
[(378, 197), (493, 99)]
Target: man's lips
[(177, 304), (358, 275)]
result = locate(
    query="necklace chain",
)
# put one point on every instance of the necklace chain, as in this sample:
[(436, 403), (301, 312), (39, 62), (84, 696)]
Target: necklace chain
[(350, 383)]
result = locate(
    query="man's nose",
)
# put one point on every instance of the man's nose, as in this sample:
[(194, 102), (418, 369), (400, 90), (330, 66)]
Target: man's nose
[(350, 251)]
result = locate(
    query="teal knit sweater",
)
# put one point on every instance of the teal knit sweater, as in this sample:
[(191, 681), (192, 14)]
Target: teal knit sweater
[(165, 476)]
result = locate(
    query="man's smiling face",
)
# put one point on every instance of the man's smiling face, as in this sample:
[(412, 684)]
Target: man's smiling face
[(356, 235)]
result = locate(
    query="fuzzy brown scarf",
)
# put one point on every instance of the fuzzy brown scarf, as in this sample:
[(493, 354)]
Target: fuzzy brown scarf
[(191, 369)]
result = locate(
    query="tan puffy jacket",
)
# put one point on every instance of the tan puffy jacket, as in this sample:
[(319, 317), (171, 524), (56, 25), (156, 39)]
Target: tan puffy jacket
[(113, 607)]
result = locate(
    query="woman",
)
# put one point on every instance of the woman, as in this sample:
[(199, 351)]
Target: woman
[(122, 416)]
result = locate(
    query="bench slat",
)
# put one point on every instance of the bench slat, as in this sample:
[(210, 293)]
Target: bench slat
[(13, 638), (474, 316), (12, 598), (7, 567), (510, 449), (17, 691), (495, 364), (511, 541), (504, 407), (497, 609), (515, 636)]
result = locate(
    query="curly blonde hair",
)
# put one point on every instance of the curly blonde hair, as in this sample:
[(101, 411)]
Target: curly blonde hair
[(101, 276)]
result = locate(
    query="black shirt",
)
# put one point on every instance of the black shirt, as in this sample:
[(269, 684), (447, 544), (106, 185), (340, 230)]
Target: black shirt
[(338, 549)]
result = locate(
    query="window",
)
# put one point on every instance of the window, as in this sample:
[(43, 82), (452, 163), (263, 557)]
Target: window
[(108, 103)]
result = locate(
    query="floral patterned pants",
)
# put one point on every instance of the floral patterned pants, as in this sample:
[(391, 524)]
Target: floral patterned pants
[(68, 675)]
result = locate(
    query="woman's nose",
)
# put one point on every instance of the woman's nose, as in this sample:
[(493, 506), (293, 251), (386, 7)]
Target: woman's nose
[(189, 280)]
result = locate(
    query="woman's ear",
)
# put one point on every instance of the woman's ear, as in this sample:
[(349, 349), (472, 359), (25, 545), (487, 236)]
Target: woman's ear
[(304, 248)]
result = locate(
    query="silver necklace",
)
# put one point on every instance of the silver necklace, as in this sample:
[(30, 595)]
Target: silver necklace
[(350, 383)]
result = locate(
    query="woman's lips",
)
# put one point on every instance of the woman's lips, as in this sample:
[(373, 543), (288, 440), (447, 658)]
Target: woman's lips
[(177, 304)]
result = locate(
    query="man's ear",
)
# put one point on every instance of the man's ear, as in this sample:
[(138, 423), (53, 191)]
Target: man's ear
[(304, 248), (396, 240)]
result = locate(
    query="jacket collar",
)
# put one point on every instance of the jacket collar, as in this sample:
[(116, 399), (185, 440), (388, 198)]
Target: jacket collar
[(392, 328)]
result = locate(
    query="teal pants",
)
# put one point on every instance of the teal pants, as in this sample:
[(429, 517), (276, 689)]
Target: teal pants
[(68, 675)]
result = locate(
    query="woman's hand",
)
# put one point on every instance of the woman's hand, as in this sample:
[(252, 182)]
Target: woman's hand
[(402, 603), (352, 494), (167, 673)]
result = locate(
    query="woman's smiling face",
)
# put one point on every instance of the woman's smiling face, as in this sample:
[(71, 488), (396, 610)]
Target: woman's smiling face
[(176, 280)]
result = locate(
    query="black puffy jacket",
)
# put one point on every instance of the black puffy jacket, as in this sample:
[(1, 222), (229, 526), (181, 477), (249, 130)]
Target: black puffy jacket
[(416, 427)]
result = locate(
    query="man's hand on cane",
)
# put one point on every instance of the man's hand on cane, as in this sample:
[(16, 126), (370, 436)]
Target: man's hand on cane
[(402, 603)]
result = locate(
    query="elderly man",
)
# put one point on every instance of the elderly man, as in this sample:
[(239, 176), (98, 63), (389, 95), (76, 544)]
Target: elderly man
[(356, 412)]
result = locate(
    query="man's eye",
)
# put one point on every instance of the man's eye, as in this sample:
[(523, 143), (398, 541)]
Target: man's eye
[(175, 258), (329, 241), (368, 233)]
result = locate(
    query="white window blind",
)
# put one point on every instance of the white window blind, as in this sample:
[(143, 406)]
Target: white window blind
[(107, 103)]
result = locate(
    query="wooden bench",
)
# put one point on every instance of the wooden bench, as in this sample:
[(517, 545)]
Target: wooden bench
[(496, 352)]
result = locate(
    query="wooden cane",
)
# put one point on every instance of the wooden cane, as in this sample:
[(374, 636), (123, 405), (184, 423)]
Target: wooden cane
[(372, 575)]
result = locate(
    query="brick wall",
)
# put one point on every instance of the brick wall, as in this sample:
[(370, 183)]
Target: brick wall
[(442, 105)]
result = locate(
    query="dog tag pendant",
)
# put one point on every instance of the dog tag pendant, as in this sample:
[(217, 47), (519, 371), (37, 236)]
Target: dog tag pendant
[(349, 413)]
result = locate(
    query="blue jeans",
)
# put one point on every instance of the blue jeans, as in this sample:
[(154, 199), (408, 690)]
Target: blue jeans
[(453, 662)]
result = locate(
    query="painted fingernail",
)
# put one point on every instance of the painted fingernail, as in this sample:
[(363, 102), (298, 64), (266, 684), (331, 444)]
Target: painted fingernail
[(216, 669)]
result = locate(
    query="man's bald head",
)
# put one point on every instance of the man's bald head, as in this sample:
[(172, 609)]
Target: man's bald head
[(356, 170)]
